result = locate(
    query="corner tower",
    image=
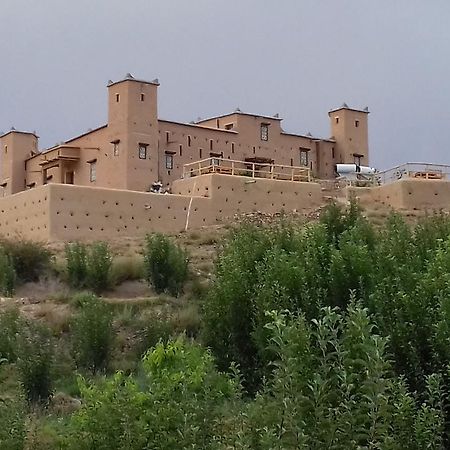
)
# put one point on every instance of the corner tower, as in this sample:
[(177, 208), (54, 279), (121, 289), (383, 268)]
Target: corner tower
[(15, 148), (133, 130), (349, 127)]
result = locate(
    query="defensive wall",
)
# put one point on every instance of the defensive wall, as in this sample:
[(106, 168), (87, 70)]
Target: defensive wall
[(67, 212), (406, 194)]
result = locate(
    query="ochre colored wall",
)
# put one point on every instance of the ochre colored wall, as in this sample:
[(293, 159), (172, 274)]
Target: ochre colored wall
[(26, 214), (407, 194)]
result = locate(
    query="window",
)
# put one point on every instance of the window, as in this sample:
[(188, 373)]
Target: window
[(167, 137), (143, 151), (337, 119), (229, 126), (169, 161), (304, 156), (357, 159), (264, 132), (217, 123), (215, 161), (332, 152), (356, 123), (142, 97), (232, 147), (189, 141), (211, 143), (115, 147), (200, 152), (181, 150), (6, 149), (117, 98), (93, 171)]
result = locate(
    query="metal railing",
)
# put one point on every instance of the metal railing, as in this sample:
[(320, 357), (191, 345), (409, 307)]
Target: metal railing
[(247, 168), (416, 171)]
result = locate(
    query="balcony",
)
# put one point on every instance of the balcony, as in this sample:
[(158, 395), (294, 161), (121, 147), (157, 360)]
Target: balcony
[(252, 167)]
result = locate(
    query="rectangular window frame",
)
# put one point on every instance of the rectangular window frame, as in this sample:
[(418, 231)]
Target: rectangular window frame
[(115, 147), (304, 156), (169, 161), (142, 150), (264, 132), (92, 170)]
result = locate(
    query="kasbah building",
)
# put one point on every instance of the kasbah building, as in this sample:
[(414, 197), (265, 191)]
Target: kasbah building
[(98, 185)]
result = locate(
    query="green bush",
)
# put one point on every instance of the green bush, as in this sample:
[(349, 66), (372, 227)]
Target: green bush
[(35, 363), (30, 259), (99, 261), (76, 264), (89, 266), (92, 334), (166, 264), (12, 422), (11, 325), (7, 274)]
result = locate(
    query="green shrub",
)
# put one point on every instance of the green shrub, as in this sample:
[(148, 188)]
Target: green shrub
[(35, 363), (99, 262), (166, 264), (11, 326), (7, 274), (31, 259), (92, 334), (12, 422), (76, 264)]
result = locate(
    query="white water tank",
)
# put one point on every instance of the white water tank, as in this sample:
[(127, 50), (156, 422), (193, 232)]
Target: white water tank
[(352, 170)]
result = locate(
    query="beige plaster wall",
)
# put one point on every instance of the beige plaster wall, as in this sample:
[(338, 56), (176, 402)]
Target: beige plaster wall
[(26, 214), (407, 194)]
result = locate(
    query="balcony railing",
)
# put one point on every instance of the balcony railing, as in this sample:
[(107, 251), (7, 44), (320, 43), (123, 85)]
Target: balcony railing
[(247, 168), (416, 171)]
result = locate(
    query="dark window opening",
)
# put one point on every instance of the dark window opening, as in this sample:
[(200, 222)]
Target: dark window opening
[(200, 151), (181, 150), (210, 144), (332, 152), (356, 123), (337, 119), (232, 147), (142, 97), (167, 137), (189, 141), (117, 98), (229, 126)]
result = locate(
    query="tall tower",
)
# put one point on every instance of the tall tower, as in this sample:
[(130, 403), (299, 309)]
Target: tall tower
[(15, 148), (349, 127), (133, 130)]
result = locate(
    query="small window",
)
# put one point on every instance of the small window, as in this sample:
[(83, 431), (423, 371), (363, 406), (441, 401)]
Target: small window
[(6, 149), (117, 98), (215, 161), (304, 157), (264, 132), (181, 150), (167, 137), (211, 143), (169, 161), (189, 141), (200, 153), (115, 147), (93, 171), (217, 123), (143, 151), (232, 147), (142, 97), (337, 119), (332, 152), (229, 126), (356, 123)]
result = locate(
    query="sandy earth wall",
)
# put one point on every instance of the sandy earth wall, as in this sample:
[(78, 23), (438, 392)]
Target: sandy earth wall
[(26, 214), (407, 194)]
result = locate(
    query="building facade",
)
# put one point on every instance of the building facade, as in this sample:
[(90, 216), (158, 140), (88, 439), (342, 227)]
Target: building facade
[(136, 148)]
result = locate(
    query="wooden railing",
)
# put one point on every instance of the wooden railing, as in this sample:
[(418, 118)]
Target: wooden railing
[(247, 168)]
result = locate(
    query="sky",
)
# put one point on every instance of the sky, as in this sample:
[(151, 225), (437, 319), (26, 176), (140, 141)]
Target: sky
[(298, 58)]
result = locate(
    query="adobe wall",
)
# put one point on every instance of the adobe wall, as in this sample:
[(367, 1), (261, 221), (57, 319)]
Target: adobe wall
[(26, 214), (407, 194), (236, 194)]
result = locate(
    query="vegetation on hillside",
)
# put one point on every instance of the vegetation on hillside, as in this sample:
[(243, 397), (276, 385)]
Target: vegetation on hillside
[(333, 334)]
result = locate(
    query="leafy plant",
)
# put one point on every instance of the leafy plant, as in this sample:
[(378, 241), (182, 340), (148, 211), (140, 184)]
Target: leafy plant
[(99, 261), (166, 264), (7, 274), (76, 257), (92, 333)]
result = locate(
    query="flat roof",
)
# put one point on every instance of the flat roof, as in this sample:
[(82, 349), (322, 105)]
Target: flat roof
[(82, 135), (365, 111), (240, 113), (20, 132), (129, 77), (195, 125)]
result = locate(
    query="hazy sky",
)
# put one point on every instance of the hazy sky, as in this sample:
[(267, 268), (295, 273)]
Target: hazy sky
[(299, 58)]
